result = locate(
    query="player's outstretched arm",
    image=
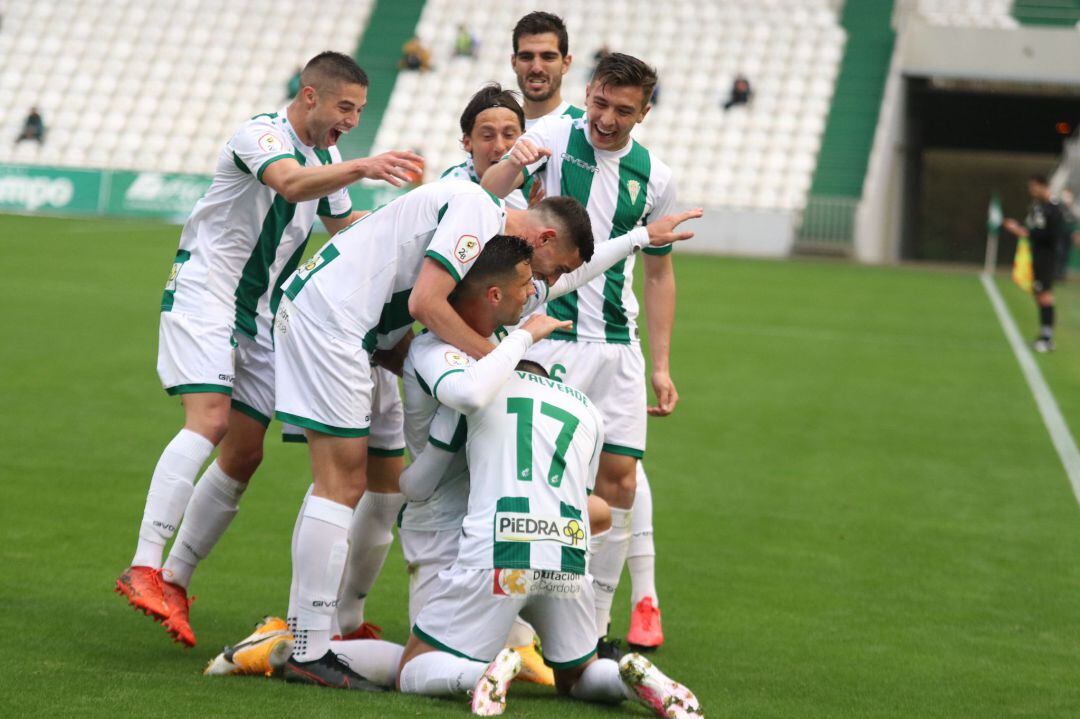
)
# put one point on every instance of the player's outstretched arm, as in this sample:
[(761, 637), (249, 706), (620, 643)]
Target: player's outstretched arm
[(655, 234), (473, 388), (297, 183), (508, 174), (420, 479), (659, 294)]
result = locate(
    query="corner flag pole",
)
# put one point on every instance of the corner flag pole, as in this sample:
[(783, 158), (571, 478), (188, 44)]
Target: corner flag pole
[(993, 229)]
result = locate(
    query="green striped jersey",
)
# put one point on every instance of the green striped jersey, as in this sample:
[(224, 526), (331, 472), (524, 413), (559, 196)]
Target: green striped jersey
[(565, 109), (357, 286), (621, 190), (532, 453), (516, 200), (242, 237)]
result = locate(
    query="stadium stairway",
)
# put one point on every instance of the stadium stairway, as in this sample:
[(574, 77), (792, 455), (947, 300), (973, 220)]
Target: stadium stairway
[(391, 24), (1064, 13), (849, 131)]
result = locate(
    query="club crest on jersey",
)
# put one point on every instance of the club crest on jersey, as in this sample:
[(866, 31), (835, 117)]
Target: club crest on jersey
[(467, 248), (456, 359), (308, 267), (270, 142), (634, 188)]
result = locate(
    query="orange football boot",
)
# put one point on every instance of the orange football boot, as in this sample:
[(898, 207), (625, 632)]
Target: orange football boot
[(143, 588), (645, 630), (178, 623)]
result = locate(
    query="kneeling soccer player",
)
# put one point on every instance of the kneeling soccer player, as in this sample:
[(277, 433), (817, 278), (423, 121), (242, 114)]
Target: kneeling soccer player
[(532, 453)]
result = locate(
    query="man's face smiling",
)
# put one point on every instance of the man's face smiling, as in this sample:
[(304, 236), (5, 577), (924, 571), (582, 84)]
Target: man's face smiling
[(494, 133), (334, 111), (613, 111), (539, 66)]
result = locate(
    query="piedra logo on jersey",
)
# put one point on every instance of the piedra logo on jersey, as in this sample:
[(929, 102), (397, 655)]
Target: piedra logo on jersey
[(521, 527), (270, 142), (467, 248)]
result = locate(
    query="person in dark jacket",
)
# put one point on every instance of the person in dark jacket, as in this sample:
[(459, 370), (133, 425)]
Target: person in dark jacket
[(1044, 225)]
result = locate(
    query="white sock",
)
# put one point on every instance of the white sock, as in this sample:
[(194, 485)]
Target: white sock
[(209, 512), (521, 634), (370, 536), (641, 554), (600, 682), (291, 616), (170, 489), (322, 546), (375, 660), (606, 566), (437, 674)]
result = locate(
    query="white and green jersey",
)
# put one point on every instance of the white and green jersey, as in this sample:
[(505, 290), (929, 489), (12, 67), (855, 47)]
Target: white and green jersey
[(533, 452), (565, 109), (620, 190), (357, 287), (242, 237), (516, 200)]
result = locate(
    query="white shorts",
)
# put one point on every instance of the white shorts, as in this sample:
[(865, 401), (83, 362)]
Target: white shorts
[(427, 554), (612, 376), (473, 611), (322, 383), (253, 389), (387, 438), (195, 354)]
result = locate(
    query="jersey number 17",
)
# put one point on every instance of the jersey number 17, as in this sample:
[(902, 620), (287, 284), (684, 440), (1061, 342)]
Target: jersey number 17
[(522, 407)]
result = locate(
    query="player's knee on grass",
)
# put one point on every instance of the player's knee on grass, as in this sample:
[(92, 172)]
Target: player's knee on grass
[(616, 480), (207, 413), (338, 467), (565, 679), (599, 515)]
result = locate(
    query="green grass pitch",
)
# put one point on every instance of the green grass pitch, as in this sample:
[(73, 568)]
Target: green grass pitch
[(858, 510)]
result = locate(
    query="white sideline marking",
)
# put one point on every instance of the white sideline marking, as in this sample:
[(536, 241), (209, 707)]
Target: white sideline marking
[(1044, 398)]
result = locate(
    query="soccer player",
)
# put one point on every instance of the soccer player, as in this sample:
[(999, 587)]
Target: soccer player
[(540, 61), (274, 175), (541, 58), (361, 292), (490, 125), (533, 448), (621, 183), (1044, 224)]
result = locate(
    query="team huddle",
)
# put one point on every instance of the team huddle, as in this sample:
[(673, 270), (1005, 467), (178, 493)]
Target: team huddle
[(522, 402)]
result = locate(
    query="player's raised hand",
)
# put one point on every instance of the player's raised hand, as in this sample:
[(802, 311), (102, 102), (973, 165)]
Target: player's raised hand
[(536, 192), (662, 232), (525, 153), (398, 167), (666, 395), (540, 326)]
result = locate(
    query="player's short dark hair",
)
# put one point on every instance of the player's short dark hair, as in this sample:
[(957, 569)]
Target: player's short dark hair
[(572, 222), (1039, 179), (487, 97), (330, 66), (620, 70), (497, 262), (532, 368), (540, 22)]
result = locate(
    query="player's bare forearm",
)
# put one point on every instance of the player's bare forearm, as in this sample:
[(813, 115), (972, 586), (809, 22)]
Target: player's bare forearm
[(428, 304), (659, 294), (503, 178), (300, 184)]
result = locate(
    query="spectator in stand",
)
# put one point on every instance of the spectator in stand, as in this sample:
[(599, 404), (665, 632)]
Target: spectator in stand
[(33, 128), (465, 44), (414, 56), (740, 92)]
